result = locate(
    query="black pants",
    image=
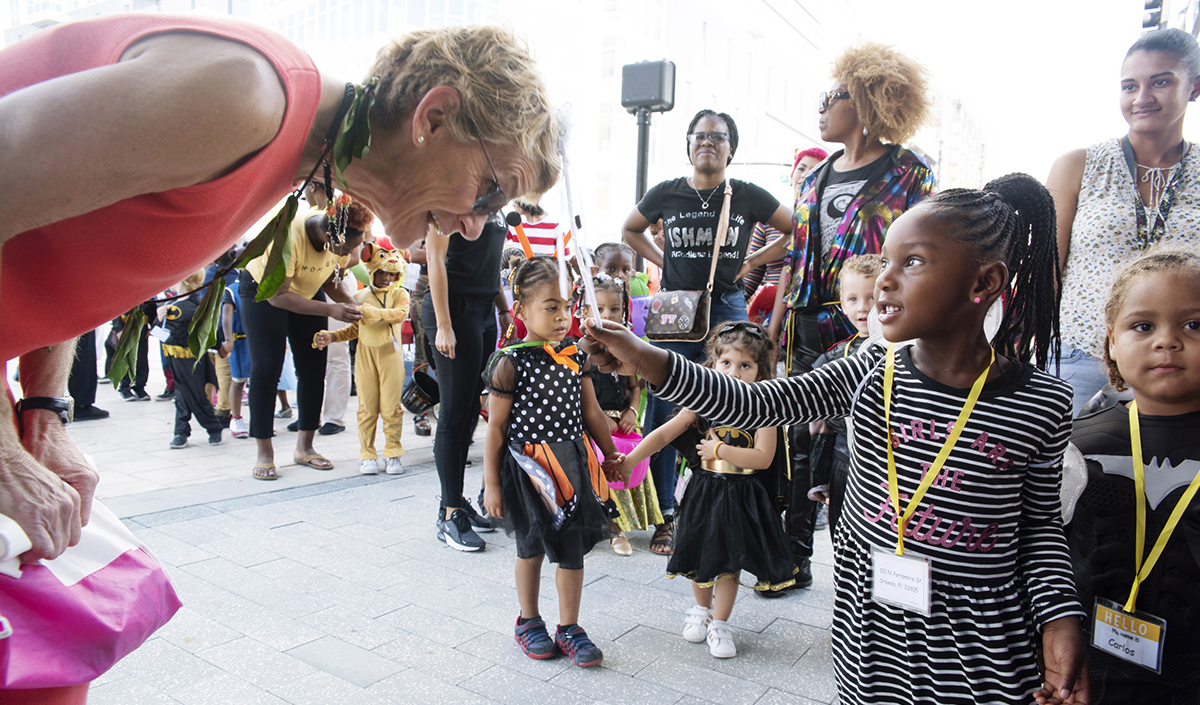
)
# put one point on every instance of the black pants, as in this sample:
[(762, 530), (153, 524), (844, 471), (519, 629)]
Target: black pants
[(142, 373), (268, 330), (460, 382), (81, 385), (801, 516), (190, 397)]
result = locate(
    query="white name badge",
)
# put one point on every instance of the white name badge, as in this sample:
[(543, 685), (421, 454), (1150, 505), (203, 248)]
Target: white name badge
[(1136, 638), (901, 581), (160, 333)]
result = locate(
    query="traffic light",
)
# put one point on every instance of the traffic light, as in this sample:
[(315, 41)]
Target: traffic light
[(1153, 19)]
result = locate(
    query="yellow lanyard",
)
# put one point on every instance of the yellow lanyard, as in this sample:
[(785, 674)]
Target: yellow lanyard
[(889, 372), (850, 344), (1139, 483)]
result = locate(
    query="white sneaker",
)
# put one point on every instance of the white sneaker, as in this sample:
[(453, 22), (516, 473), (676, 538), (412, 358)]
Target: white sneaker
[(695, 623), (370, 466), (393, 466), (720, 639), (237, 427)]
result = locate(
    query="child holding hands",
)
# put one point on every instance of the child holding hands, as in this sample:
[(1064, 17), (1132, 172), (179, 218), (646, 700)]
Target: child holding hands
[(951, 563), (542, 479)]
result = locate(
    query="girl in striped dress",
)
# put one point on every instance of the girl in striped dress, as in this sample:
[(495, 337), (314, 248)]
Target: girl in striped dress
[(952, 569)]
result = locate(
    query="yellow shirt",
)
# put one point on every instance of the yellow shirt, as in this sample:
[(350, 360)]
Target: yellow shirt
[(308, 268)]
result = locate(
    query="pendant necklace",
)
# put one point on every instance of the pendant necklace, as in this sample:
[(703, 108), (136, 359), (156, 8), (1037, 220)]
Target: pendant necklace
[(704, 201)]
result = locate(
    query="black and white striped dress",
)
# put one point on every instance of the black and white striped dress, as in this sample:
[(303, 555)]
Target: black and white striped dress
[(990, 523)]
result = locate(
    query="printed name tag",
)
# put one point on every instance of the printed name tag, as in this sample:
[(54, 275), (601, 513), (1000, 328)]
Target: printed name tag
[(1136, 638), (901, 581)]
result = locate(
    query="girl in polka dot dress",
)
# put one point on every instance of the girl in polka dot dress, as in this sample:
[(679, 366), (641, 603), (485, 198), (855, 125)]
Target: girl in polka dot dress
[(542, 478)]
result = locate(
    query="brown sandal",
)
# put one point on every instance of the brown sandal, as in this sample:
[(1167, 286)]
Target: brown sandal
[(663, 541), (268, 471)]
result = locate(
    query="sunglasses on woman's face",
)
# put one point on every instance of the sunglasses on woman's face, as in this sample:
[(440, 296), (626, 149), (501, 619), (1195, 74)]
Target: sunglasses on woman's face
[(827, 98), (752, 329), (490, 202)]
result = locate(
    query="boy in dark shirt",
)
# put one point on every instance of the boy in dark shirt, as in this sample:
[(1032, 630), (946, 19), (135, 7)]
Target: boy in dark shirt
[(191, 399)]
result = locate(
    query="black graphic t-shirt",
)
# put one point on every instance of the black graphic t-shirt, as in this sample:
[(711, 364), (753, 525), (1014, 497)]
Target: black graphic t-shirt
[(840, 189), (689, 230), (1103, 529)]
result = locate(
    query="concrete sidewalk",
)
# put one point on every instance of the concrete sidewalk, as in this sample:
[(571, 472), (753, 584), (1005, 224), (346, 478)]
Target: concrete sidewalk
[(332, 588)]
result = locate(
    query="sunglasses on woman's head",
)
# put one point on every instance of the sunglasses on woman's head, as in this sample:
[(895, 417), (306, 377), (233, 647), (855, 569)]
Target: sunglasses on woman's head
[(490, 202), (752, 329)]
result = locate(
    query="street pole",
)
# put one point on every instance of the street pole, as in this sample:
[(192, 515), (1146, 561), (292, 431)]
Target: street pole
[(643, 167)]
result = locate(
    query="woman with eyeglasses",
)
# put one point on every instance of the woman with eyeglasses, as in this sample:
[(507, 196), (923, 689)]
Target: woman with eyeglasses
[(689, 207), (845, 206), (1119, 198)]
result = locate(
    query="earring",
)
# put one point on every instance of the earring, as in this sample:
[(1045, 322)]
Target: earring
[(978, 300), (420, 138), (864, 132)]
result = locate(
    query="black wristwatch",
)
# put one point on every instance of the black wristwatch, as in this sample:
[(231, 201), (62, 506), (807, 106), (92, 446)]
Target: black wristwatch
[(65, 408)]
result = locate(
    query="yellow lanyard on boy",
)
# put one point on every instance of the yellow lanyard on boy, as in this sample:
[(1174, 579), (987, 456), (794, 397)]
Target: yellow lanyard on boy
[(1139, 483), (889, 372)]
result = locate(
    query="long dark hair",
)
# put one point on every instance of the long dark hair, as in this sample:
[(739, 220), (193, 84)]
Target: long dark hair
[(1012, 220)]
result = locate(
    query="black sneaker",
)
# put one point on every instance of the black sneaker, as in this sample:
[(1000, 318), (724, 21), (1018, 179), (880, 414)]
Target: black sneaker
[(214, 438), (576, 645), (139, 395), (480, 523), (167, 395), (330, 429), (458, 534), (178, 442), (126, 394), (89, 413), (533, 638), (294, 426)]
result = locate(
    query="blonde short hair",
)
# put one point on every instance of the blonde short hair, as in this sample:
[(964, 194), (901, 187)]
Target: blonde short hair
[(887, 88), (496, 79), (192, 282)]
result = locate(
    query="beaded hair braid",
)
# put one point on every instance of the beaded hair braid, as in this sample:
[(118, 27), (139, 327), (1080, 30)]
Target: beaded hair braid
[(1012, 219)]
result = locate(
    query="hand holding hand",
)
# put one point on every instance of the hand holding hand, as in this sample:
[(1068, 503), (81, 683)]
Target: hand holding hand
[(1065, 669), (225, 349), (346, 313), (614, 468)]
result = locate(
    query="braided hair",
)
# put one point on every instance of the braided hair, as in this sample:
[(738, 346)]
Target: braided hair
[(532, 273), (1012, 220), (729, 123), (603, 282)]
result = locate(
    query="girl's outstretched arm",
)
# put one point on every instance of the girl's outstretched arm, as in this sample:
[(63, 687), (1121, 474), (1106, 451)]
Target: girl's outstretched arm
[(759, 457), (659, 438), (596, 423)]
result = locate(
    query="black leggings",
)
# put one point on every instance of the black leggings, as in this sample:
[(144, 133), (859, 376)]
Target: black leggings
[(460, 382), (268, 328)]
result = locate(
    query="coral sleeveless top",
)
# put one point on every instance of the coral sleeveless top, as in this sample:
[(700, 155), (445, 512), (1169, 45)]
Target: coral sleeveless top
[(128, 252)]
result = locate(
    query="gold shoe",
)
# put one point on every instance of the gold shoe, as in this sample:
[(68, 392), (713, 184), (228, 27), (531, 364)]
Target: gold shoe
[(620, 545)]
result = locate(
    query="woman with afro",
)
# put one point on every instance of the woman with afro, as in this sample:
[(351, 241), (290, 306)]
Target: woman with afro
[(877, 100)]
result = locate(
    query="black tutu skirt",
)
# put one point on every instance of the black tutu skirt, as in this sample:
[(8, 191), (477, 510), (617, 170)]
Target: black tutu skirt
[(527, 518), (725, 524)]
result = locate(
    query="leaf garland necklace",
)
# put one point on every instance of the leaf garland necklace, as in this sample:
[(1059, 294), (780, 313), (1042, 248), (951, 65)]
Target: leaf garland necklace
[(349, 138)]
